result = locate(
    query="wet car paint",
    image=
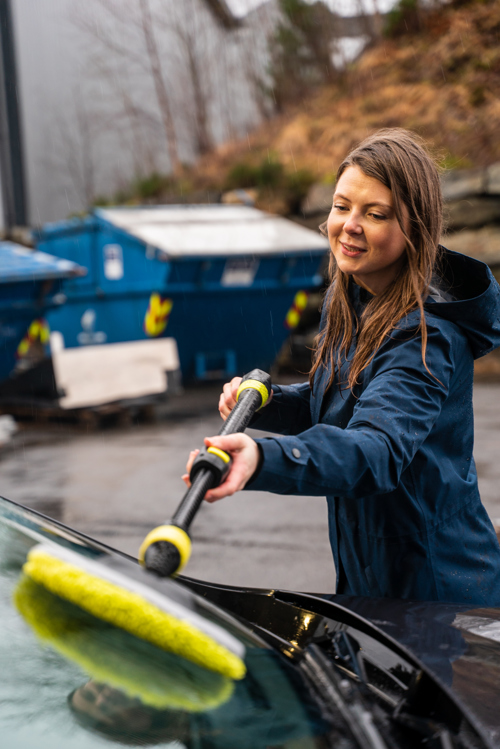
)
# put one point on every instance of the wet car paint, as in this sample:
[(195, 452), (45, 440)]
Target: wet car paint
[(450, 649)]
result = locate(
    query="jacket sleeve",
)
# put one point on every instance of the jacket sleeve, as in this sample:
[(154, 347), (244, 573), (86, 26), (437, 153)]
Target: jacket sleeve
[(289, 411), (393, 416)]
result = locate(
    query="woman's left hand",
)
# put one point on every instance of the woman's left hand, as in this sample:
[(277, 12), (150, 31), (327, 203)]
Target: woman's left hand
[(245, 454)]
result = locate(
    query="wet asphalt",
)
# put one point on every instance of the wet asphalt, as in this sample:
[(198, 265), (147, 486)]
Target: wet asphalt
[(118, 483)]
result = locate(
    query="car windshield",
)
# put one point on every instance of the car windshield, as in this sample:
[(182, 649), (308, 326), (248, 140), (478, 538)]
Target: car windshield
[(69, 679)]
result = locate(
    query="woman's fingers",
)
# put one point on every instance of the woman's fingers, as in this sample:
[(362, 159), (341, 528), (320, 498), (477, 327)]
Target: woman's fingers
[(185, 476), (227, 400), (245, 459), (192, 456), (245, 455)]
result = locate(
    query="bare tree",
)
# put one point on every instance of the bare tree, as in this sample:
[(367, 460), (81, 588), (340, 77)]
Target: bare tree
[(197, 37), (76, 133), (370, 18), (301, 50), (222, 13), (132, 125), (254, 39), (160, 87), (125, 31), (378, 21), (171, 71)]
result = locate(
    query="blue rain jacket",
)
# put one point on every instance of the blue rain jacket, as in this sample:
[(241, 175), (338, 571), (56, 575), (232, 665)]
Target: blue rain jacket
[(394, 457)]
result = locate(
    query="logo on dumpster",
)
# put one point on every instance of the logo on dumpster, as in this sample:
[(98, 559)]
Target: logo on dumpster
[(38, 334), (157, 314), (88, 336), (294, 314)]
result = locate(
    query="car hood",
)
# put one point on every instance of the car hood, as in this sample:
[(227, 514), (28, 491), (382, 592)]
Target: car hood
[(460, 645), (457, 645), (438, 662)]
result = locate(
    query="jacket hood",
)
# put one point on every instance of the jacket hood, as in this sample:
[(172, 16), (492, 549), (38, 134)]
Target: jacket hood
[(475, 300)]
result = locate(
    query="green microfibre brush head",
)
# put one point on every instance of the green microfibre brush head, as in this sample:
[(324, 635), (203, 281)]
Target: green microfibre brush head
[(114, 657), (136, 608)]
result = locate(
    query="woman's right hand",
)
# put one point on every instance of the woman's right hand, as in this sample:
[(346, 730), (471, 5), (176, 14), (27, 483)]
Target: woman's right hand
[(227, 400)]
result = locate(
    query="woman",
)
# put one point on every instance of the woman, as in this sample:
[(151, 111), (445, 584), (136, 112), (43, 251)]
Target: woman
[(384, 427)]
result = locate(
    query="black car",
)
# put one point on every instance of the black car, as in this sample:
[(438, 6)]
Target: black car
[(322, 670)]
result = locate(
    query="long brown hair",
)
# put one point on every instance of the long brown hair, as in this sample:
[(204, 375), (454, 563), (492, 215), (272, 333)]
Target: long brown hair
[(401, 162)]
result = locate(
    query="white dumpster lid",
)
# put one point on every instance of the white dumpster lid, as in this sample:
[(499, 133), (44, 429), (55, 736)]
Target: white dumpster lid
[(194, 230)]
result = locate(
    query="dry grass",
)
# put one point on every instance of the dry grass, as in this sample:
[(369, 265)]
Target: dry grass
[(443, 83)]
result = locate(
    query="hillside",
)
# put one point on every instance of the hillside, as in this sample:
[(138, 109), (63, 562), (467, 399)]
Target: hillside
[(443, 82)]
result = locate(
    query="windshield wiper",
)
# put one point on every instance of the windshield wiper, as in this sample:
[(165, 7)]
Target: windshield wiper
[(416, 712), (338, 694)]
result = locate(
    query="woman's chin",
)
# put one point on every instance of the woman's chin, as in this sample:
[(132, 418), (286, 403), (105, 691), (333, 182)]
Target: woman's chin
[(348, 265)]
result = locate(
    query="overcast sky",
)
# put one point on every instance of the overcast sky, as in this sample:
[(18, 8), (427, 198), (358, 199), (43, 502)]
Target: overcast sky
[(344, 7)]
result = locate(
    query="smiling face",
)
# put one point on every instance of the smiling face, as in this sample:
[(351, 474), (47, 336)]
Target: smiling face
[(365, 236)]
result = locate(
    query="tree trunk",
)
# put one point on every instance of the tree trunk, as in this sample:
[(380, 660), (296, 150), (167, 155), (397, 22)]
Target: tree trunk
[(203, 138), (160, 88)]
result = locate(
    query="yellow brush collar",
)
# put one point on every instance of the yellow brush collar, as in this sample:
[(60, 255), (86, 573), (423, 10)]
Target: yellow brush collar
[(173, 535), (254, 385)]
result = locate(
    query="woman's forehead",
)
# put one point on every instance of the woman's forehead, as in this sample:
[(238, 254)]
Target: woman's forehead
[(354, 184)]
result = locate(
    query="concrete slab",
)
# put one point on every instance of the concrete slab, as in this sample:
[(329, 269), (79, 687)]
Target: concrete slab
[(493, 179), (462, 183), (472, 212), (482, 244)]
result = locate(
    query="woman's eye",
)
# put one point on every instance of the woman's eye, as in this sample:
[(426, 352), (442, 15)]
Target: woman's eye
[(340, 207), (378, 216)]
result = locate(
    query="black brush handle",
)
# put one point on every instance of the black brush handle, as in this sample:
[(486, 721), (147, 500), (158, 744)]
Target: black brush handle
[(240, 417), (249, 401), (166, 550)]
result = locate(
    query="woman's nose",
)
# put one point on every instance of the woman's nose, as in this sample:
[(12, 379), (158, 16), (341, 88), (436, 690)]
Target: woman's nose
[(352, 224)]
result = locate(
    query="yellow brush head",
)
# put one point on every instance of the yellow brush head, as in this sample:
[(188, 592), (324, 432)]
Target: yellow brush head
[(112, 656), (140, 612)]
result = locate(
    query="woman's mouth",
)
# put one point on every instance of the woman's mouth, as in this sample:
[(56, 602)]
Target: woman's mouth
[(351, 251)]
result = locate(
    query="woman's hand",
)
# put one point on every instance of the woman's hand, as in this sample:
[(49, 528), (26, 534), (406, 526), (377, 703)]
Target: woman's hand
[(227, 400), (245, 455)]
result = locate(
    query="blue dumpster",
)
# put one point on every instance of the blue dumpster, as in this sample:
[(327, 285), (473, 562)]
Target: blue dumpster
[(30, 285), (227, 282)]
